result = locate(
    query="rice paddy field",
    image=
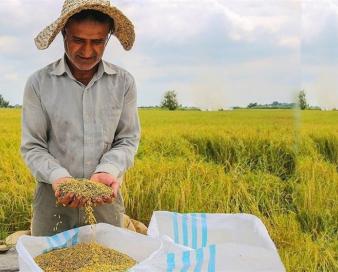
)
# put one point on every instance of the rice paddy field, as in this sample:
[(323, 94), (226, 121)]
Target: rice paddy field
[(280, 165)]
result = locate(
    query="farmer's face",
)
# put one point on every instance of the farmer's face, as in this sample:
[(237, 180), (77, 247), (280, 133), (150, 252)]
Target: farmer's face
[(85, 43)]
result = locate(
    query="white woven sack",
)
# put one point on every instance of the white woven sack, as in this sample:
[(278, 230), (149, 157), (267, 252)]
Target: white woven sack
[(213, 242), (135, 245)]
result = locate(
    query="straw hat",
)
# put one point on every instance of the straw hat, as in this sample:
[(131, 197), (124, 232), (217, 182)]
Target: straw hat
[(124, 29)]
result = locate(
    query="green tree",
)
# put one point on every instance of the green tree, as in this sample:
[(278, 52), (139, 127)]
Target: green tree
[(252, 105), (302, 100), (170, 100), (3, 102)]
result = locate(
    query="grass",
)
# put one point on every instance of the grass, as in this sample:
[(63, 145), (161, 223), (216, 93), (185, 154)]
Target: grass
[(280, 165)]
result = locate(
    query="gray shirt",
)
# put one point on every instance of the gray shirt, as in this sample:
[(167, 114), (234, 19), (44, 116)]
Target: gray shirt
[(69, 129)]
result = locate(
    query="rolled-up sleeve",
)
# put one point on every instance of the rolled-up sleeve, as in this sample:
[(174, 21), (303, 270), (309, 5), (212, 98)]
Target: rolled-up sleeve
[(120, 157), (34, 140)]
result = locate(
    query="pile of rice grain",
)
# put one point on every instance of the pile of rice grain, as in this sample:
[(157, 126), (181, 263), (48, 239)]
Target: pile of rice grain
[(88, 190), (84, 258), (90, 257)]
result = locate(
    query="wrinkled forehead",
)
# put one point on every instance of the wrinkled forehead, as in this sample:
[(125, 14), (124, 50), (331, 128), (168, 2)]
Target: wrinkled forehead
[(87, 29)]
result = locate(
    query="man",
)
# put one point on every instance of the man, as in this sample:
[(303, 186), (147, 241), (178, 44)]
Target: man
[(80, 117)]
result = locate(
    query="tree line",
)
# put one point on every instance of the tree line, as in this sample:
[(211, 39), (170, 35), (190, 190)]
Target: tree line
[(5, 104), (170, 102)]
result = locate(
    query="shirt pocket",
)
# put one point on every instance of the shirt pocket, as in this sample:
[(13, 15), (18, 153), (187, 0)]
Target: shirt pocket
[(111, 118)]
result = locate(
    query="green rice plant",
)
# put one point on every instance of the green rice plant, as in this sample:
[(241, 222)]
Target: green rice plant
[(316, 197), (327, 146), (252, 153), (280, 165), (298, 250)]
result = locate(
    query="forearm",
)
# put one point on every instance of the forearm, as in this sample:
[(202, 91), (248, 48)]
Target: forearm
[(44, 167), (120, 157), (34, 144), (127, 137)]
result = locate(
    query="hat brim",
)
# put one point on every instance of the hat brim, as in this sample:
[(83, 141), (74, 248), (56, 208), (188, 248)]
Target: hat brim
[(124, 29)]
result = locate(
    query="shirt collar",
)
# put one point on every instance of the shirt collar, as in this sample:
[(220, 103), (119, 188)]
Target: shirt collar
[(61, 67), (107, 68)]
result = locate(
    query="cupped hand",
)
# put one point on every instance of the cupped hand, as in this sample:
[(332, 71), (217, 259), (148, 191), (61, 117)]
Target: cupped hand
[(68, 199), (108, 180)]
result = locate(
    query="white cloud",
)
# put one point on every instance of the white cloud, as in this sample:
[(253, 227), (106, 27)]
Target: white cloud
[(184, 23), (9, 44), (290, 42), (244, 26), (326, 90), (315, 15), (167, 21), (11, 76), (225, 85), (321, 87), (207, 90), (176, 22)]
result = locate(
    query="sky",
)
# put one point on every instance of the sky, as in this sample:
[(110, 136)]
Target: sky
[(213, 53)]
